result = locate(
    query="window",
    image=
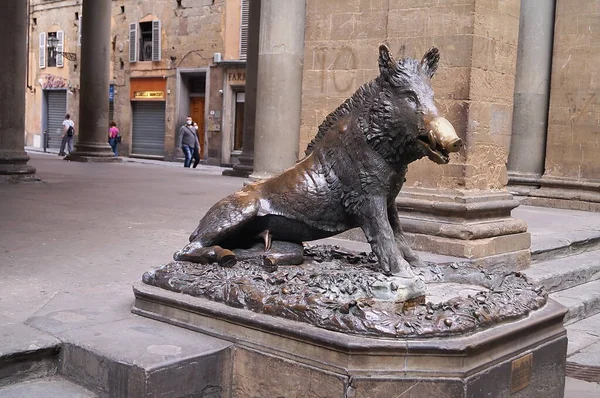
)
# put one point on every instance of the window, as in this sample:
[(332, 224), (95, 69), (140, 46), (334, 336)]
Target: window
[(51, 49), (244, 17), (145, 41)]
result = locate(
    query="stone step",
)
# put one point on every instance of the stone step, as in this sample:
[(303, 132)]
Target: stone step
[(50, 387), (26, 353), (139, 357), (582, 301), (565, 272), (571, 243)]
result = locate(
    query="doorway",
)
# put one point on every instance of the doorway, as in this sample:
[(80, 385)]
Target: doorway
[(197, 114)]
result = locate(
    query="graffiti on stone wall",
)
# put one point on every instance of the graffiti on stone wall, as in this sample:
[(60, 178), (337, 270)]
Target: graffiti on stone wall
[(341, 63), (52, 81)]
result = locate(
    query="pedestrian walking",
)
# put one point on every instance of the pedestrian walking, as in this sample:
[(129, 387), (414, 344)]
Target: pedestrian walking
[(114, 137), (196, 155), (67, 135), (187, 141)]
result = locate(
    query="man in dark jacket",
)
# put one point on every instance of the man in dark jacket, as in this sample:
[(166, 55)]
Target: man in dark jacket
[(187, 141)]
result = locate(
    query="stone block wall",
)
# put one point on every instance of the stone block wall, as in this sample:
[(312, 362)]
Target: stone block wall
[(474, 84), (573, 141), (191, 34)]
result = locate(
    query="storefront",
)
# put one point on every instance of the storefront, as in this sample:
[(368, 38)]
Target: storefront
[(148, 97)]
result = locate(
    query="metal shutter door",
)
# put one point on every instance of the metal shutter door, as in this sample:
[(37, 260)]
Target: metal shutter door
[(57, 108), (148, 128)]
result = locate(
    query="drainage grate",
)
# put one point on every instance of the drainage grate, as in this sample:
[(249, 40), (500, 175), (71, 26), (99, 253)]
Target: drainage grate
[(582, 372)]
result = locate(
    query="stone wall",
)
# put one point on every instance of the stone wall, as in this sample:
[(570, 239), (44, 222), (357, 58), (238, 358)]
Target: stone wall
[(474, 84), (573, 145)]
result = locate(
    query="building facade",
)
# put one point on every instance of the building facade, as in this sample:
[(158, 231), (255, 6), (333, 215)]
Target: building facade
[(169, 59)]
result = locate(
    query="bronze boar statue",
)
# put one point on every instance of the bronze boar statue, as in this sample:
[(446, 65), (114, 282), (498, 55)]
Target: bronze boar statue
[(350, 178)]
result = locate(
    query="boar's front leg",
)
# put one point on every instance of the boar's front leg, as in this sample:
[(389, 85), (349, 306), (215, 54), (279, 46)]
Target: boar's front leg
[(408, 253), (373, 219)]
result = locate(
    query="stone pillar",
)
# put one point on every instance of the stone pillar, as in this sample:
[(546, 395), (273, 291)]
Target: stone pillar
[(463, 209), (279, 86), (246, 165), (13, 64), (571, 177), (532, 95), (92, 145)]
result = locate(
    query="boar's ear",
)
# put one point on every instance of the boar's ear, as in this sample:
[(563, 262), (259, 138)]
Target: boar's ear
[(430, 60), (386, 60)]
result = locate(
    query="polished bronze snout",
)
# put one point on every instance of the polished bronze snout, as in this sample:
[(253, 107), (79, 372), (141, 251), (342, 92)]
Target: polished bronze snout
[(444, 135), (441, 140)]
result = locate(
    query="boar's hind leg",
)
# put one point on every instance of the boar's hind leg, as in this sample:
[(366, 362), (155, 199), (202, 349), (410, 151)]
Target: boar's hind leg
[(220, 224), (284, 253), (408, 253), (196, 253)]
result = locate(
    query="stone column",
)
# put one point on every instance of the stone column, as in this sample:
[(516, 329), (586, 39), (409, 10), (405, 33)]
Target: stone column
[(571, 177), (246, 165), (13, 64), (532, 95), (279, 86), (92, 145)]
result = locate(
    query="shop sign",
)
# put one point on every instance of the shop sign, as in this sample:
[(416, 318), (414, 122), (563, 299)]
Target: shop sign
[(148, 94), (236, 77)]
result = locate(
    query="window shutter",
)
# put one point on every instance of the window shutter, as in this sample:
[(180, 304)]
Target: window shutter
[(60, 35), (132, 42), (244, 28), (79, 38), (156, 50), (42, 49)]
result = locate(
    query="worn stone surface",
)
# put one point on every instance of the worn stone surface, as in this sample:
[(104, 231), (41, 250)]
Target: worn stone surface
[(25, 353), (582, 300), (54, 387), (565, 272), (138, 357), (254, 374)]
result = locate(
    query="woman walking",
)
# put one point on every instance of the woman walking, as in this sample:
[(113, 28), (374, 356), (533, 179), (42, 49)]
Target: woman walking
[(113, 137)]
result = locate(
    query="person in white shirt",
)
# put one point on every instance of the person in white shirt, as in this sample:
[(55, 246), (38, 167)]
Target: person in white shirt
[(67, 135)]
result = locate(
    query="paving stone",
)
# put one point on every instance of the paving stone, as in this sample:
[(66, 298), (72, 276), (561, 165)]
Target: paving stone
[(581, 389), (55, 387), (82, 307)]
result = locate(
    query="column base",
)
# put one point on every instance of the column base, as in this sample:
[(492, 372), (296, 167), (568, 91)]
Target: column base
[(92, 152), (14, 168), (564, 193), (475, 226), (522, 183), (239, 170)]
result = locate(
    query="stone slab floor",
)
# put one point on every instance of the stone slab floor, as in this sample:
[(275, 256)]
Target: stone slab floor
[(72, 245)]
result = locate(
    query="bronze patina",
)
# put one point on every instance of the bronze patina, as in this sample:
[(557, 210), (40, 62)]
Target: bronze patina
[(353, 171)]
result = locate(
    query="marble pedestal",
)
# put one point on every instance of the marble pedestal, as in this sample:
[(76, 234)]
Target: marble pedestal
[(280, 357)]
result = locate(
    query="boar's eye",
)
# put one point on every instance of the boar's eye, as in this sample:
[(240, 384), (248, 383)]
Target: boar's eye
[(411, 96)]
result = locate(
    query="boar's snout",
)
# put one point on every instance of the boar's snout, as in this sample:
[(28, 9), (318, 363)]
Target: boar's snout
[(440, 141)]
